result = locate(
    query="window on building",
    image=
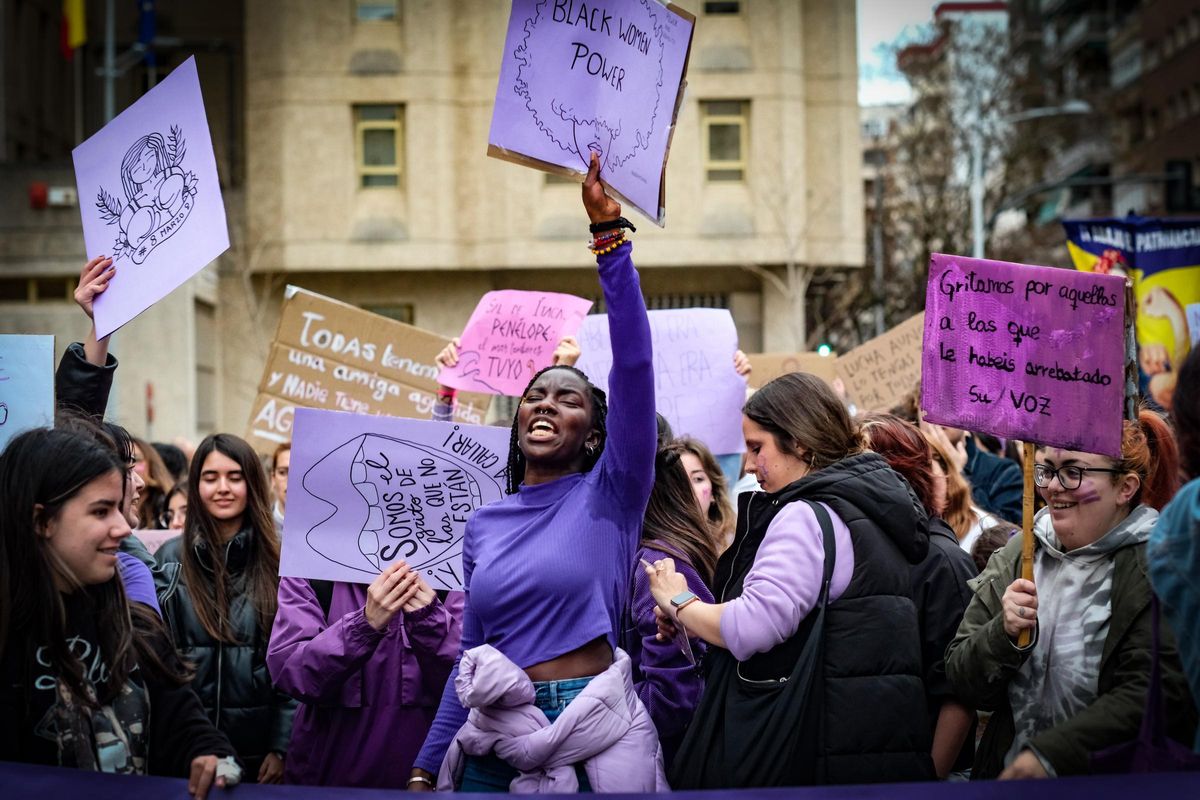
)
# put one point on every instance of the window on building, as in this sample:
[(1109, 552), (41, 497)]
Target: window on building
[(380, 134), (207, 348), (714, 7), (724, 125), (402, 312), (374, 10), (36, 290)]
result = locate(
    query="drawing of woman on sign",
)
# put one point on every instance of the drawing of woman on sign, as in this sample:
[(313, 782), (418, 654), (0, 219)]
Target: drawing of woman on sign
[(159, 195)]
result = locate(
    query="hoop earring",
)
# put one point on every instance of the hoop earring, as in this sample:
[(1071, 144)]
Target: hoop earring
[(591, 450)]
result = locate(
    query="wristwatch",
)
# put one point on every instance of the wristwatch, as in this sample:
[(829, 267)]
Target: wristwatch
[(683, 599)]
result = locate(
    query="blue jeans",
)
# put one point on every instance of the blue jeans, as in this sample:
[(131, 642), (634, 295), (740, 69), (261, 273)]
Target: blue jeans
[(493, 774)]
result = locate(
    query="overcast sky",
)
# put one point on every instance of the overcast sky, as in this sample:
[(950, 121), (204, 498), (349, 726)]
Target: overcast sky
[(881, 25)]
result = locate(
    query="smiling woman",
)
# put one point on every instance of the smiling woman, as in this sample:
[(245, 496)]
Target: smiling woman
[(546, 569), (90, 679), (218, 585), (1081, 685)]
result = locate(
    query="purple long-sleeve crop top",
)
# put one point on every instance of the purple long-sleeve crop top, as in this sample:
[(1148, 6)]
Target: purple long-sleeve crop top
[(546, 570)]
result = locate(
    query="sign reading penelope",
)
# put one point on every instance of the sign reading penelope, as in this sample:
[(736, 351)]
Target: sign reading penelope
[(1025, 352)]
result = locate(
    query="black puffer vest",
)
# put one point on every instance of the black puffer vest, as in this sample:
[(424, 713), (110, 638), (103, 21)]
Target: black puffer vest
[(873, 718)]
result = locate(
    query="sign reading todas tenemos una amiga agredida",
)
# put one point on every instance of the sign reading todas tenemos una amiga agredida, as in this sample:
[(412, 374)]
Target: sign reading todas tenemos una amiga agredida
[(1025, 352)]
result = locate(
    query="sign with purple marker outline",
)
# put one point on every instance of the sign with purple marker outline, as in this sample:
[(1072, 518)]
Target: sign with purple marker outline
[(510, 336), (367, 491), (601, 75), (150, 197), (1025, 352)]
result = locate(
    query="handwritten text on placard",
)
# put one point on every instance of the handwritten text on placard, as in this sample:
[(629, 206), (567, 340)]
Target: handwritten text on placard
[(1024, 352)]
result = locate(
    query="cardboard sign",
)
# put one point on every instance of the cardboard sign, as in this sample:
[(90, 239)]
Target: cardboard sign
[(150, 197), (368, 491), (26, 384), (332, 355), (883, 371), (695, 385), (1024, 352), (603, 76), (766, 367), (510, 336)]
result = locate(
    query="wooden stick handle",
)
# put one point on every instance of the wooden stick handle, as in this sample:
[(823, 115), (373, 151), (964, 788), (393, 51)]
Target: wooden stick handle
[(1026, 635)]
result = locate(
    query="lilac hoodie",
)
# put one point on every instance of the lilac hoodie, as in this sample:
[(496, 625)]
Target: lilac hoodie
[(605, 727), (367, 697)]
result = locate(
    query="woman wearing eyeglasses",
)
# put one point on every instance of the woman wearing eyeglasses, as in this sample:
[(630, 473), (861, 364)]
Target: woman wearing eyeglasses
[(1080, 686)]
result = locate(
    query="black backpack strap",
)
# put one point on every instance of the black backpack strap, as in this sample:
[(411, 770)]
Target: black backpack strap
[(324, 592), (826, 523)]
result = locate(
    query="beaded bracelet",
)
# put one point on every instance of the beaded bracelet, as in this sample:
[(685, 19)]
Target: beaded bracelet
[(601, 251), (607, 239)]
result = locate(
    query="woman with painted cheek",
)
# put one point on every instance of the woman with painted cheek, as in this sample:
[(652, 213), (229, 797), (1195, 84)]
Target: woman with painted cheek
[(711, 488), (547, 573), (1080, 685), (218, 585), (90, 680), (831, 537)]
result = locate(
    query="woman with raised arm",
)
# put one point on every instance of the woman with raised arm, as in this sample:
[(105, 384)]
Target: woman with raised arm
[(1080, 685), (546, 573)]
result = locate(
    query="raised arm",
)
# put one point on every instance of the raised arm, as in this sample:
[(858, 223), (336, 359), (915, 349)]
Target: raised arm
[(632, 432)]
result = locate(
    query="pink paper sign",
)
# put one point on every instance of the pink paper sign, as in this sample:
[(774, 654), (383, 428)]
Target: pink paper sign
[(510, 336), (368, 491), (150, 197), (1024, 352)]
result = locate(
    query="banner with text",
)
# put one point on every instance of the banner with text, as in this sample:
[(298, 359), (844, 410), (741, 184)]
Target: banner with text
[(329, 354), (603, 76), (1025, 352), (368, 491), (1162, 257), (509, 337), (695, 384), (881, 372)]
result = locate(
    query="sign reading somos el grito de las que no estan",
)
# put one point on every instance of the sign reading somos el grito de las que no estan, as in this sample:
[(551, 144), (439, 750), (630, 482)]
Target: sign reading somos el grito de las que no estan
[(1025, 352)]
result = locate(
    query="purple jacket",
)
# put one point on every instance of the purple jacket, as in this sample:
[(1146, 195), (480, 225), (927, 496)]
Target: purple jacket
[(605, 727), (367, 697), (666, 682)]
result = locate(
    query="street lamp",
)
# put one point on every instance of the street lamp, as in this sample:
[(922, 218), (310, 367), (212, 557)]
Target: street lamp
[(1066, 109)]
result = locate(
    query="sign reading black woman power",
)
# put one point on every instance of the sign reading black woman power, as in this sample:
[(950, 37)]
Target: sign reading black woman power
[(582, 77), (1029, 353), (368, 491)]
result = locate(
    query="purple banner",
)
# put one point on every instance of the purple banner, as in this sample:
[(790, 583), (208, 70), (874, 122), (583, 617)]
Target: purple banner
[(150, 197), (695, 385), (581, 77), (1024, 352), (367, 491), (509, 337), (57, 783)]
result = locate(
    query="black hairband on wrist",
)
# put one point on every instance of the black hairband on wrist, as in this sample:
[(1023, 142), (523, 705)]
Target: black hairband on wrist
[(612, 224)]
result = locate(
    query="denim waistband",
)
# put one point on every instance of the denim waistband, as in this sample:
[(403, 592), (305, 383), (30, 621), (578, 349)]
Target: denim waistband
[(554, 695)]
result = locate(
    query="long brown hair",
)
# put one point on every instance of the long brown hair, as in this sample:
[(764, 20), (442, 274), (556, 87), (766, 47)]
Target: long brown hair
[(806, 418), (720, 511), (159, 481), (673, 519), (210, 590), (958, 513)]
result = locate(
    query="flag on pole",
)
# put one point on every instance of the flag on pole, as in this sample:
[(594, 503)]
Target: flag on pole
[(74, 27)]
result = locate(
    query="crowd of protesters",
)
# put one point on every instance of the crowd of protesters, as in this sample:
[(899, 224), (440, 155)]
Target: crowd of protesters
[(850, 611)]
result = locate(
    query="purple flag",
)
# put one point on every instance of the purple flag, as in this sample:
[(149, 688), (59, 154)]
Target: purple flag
[(603, 76), (150, 197), (367, 491), (695, 385), (510, 336), (1023, 352)]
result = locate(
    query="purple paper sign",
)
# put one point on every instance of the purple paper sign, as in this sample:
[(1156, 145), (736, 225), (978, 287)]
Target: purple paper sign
[(600, 76), (695, 385), (510, 336), (150, 197), (367, 491), (1022, 352)]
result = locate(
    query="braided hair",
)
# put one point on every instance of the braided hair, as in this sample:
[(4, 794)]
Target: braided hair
[(516, 459)]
